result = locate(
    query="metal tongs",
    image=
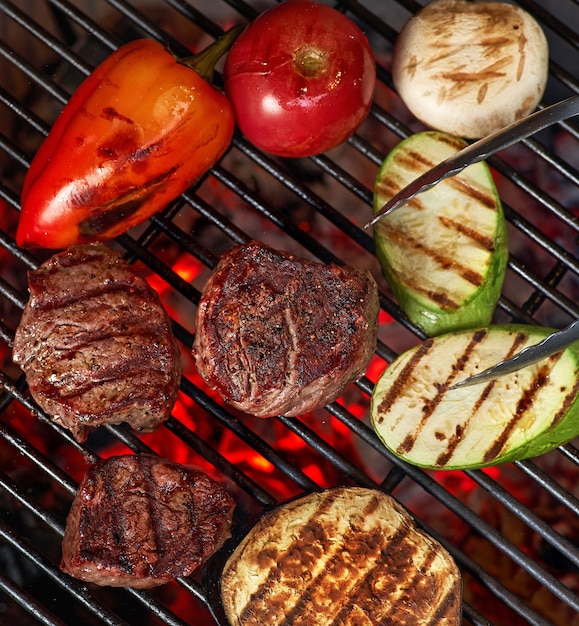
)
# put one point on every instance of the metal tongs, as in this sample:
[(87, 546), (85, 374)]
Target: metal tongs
[(478, 151), (553, 343)]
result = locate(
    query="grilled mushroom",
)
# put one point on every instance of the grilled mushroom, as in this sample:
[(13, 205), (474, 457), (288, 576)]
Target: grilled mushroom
[(470, 68)]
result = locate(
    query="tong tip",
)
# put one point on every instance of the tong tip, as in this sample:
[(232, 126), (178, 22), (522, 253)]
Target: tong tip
[(472, 380), (390, 206)]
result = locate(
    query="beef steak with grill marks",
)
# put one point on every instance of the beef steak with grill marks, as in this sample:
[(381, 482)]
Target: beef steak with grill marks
[(141, 521), (280, 335), (96, 343)]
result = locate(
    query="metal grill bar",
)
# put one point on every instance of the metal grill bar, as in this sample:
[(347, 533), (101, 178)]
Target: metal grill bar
[(571, 452), (35, 608), (62, 45)]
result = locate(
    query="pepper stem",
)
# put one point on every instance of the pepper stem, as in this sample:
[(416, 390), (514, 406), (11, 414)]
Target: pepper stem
[(204, 62)]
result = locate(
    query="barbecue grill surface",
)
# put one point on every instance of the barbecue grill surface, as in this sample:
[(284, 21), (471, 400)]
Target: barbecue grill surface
[(513, 530)]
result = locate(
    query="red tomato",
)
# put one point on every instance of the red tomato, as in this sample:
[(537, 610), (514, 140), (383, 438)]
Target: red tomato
[(300, 79)]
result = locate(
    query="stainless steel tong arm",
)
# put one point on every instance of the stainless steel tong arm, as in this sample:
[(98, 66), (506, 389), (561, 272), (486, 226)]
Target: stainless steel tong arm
[(553, 343), (480, 150)]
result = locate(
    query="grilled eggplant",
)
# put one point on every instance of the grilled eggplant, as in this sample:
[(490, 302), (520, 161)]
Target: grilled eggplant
[(444, 254), (519, 415), (345, 556)]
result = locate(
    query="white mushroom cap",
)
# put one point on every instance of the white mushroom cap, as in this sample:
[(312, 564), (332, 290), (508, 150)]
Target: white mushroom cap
[(470, 68)]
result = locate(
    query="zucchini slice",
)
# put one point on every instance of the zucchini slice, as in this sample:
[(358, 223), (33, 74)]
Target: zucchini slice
[(444, 254), (516, 416)]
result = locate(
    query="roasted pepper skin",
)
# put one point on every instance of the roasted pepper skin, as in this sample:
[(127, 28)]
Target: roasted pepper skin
[(136, 133)]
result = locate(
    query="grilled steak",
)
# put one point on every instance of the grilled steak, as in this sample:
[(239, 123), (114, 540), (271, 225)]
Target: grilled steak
[(348, 556), (141, 521), (280, 335), (96, 344)]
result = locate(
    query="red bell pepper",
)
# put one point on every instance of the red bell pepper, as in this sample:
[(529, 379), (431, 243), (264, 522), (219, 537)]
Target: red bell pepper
[(137, 132)]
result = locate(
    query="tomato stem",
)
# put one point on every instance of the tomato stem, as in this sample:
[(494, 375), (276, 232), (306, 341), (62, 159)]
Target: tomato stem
[(204, 62), (310, 61)]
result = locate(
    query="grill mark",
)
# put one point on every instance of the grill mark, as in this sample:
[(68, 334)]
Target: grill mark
[(125, 285), (414, 161), (473, 77), (444, 457), (117, 373), (324, 583), (238, 364), (447, 263), (429, 407), (451, 141), (418, 163), (74, 260), (525, 402), (291, 323), (311, 527), (405, 570), (84, 527), (484, 242), (464, 82), (569, 399), (118, 522), (463, 185), (191, 509), (128, 333), (444, 261), (373, 538), (362, 590), (156, 513), (440, 298), (142, 405), (371, 507), (413, 582), (368, 594), (388, 186), (444, 608), (397, 388), (91, 386)]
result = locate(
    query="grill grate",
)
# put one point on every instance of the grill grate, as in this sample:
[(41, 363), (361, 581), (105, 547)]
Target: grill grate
[(513, 530)]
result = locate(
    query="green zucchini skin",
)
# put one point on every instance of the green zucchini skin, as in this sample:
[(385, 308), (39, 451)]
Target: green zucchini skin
[(436, 315), (519, 416)]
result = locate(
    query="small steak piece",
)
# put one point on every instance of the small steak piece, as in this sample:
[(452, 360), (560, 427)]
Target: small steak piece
[(280, 335), (141, 521), (96, 343)]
